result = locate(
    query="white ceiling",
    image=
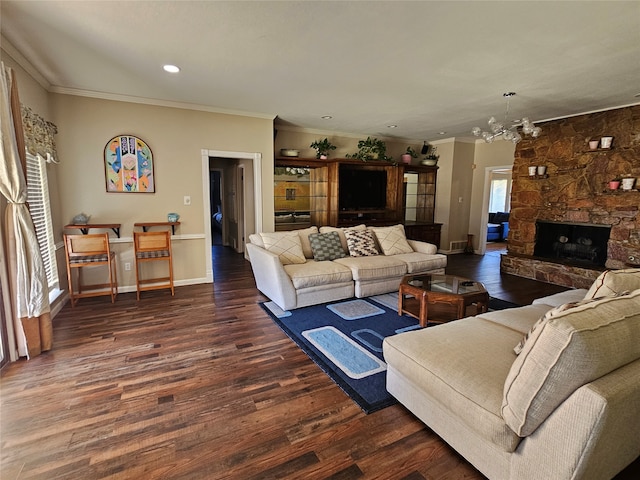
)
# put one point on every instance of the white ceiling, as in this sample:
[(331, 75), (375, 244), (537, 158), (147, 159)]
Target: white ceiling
[(425, 66)]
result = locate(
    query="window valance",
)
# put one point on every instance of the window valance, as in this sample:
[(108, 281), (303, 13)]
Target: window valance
[(38, 133)]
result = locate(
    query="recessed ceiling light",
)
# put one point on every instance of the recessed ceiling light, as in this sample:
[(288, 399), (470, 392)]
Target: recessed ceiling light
[(392, 126), (442, 133), (171, 68), (326, 117)]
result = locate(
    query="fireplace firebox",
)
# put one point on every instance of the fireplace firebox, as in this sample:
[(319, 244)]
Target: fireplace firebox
[(577, 244)]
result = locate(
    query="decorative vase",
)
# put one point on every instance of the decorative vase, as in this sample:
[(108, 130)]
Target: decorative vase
[(406, 158), (614, 184), (468, 249), (173, 217), (627, 183), (323, 156), (593, 144), (605, 142)]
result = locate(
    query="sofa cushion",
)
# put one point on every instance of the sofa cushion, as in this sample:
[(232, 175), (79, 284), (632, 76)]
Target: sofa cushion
[(554, 312), (392, 240), (567, 351), (286, 245), (557, 299), (519, 319), (360, 243), (614, 281), (463, 366), (376, 267), (326, 246), (313, 274), (419, 262), (304, 240), (343, 239)]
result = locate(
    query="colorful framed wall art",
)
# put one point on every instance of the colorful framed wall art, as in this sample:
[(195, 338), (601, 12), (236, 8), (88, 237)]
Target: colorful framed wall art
[(128, 164)]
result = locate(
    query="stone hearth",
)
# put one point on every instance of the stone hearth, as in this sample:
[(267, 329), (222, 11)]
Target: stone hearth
[(574, 190)]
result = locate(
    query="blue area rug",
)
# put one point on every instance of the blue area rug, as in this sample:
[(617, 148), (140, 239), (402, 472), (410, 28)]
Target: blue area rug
[(345, 340)]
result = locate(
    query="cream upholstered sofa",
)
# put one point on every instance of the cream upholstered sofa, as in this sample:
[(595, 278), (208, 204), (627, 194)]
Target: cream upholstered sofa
[(311, 266), (566, 407)]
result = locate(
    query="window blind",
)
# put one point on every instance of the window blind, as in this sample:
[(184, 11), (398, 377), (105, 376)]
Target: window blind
[(40, 208)]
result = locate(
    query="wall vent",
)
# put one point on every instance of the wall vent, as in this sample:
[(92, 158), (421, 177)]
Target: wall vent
[(457, 245)]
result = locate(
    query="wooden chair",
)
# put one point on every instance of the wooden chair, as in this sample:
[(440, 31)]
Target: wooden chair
[(90, 250), (153, 247)]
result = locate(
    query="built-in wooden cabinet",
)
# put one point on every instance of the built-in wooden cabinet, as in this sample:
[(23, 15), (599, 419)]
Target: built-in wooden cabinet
[(300, 194), (345, 192)]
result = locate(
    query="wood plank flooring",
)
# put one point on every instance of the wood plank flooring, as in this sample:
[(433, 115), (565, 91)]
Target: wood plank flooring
[(202, 385)]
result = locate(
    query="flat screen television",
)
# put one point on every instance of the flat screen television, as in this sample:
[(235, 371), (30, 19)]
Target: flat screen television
[(361, 189)]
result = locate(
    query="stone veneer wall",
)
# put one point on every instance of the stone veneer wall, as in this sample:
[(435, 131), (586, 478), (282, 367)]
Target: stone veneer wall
[(575, 191)]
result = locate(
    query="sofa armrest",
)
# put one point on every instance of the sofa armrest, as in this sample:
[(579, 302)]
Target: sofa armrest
[(271, 278), (423, 247), (505, 230), (594, 433)]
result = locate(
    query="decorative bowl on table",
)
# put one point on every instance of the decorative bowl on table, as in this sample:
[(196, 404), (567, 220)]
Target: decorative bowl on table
[(288, 152), (81, 219), (173, 217)]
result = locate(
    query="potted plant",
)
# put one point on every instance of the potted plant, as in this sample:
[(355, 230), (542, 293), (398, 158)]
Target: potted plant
[(371, 149), (322, 148), (408, 155), (431, 158)]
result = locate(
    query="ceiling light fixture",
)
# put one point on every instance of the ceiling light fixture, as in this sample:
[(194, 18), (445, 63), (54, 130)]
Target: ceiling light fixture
[(392, 126), (326, 117), (171, 68), (511, 134)]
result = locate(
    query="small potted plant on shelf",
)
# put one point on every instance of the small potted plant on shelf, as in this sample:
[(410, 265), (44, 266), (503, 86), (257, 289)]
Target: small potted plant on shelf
[(322, 148), (408, 155), (614, 184), (371, 149), (431, 159)]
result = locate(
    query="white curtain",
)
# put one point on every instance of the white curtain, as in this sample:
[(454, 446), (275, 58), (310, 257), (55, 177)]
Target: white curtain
[(29, 291)]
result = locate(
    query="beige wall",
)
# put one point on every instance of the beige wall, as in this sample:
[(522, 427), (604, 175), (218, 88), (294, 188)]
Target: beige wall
[(176, 138), (487, 156)]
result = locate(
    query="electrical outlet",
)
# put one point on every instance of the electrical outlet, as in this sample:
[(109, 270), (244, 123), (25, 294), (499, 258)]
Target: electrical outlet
[(187, 200), (127, 266)]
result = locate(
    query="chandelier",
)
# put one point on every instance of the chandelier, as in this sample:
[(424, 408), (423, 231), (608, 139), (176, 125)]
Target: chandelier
[(497, 129)]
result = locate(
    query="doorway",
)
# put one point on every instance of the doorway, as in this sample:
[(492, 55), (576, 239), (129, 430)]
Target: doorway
[(239, 197), (497, 197), (215, 204)]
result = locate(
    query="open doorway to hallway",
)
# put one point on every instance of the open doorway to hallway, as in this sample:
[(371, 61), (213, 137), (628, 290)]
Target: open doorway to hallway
[(498, 182), (235, 206)]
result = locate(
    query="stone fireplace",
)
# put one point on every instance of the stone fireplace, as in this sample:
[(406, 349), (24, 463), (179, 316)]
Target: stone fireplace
[(574, 192)]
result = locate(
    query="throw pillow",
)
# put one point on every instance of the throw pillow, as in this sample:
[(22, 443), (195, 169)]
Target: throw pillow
[(286, 245), (554, 312), (340, 231), (614, 281), (326, 246), (392, 240), (360, 243), (304, 240)]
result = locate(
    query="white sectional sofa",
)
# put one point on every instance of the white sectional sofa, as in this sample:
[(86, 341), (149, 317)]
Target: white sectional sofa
[(566, 407), (306, 267)]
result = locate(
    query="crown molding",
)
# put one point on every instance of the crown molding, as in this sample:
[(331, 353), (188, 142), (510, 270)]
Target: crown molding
[(157, 102), (20, 59)]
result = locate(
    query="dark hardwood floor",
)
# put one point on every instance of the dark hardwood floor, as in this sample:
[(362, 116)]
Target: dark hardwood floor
[(204, 385)]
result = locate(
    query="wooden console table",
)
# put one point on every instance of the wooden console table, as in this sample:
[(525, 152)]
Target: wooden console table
[(147, 225), (85, 227)]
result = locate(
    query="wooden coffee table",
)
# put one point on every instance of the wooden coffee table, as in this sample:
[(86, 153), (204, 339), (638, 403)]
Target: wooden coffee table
[(444, 297)]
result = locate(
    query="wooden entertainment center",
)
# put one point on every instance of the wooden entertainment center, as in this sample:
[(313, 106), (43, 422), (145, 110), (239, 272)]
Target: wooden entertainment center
[(308, 192)]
